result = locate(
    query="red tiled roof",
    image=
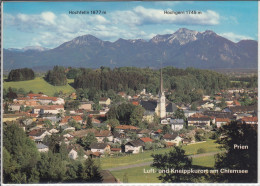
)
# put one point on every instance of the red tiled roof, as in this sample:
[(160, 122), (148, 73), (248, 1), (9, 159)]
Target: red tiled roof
[(146, 139), (67, 118), (222, 120), (124, 127), (23, 98), (169, 144), (135, 103), (159, 131), (103, 133), (49, 107), (47, 98), (236, 103), (115, 149), (249, 119), (34, 95)]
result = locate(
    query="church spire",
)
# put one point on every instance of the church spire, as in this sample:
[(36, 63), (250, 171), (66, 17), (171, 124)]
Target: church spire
[(161, 87)]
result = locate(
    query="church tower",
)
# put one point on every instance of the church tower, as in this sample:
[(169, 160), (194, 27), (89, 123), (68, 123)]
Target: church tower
[(161, 102)]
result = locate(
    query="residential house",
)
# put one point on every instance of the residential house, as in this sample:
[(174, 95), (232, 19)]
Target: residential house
[(66, 119), (74, 151), (198, 119), (100, 147), (134, 147), (119, 137), (104, 134), (38, 135), (143, 133), (221, 121), (172, 138), (14, 107), (50, 109), (146, 140), (42, 148), (123, 128), (249, 120), (86, 105), (177, 124), (104, 101)]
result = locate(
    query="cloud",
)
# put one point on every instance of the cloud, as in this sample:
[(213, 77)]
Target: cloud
[(50, 30), (141, 16), (234, 37)]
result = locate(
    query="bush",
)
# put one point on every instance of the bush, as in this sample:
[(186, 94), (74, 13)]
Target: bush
[(201, 150)]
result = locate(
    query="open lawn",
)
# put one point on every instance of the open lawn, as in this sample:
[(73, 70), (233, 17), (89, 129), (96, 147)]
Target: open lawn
[(205, 161), (137, 175), (111, 162), (40, 85)]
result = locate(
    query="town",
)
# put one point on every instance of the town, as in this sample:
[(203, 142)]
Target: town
[(125, 124)]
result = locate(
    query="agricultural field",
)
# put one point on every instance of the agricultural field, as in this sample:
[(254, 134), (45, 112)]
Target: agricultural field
[(40, 85)]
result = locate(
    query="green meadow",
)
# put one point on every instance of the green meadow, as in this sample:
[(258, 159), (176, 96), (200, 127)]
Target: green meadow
[(40, 85), (111, 162), (137, 175)]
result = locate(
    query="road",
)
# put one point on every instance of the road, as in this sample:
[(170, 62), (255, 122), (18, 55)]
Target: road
[(150, 162)]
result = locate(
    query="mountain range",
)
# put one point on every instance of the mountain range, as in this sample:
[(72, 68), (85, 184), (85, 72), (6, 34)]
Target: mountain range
[(184, 48)]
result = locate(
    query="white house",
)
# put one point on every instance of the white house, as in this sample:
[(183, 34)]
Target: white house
[(134, 147)]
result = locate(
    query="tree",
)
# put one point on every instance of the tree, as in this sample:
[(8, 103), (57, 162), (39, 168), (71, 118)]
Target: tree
[(179, 114), (235, 158), (166, 129), (87, 140), (57, 76), (89, 123), (20, 156), (91, 172), (137, 116), (113, 123), (175, 159)]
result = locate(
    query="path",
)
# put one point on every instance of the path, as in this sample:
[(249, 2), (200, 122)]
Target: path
[(150, 162)]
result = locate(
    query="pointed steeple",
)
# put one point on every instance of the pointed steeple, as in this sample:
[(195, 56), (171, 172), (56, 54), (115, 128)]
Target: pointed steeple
[(161, 92)]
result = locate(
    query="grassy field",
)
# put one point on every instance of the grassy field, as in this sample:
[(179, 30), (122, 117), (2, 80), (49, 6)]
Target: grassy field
[(110, 162), (205, 161), (137, 175), (40, 85)]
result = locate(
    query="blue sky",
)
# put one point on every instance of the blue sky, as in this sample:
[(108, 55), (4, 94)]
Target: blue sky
[(50, 24)]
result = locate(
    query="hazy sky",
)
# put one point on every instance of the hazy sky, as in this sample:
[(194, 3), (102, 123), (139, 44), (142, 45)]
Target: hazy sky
[(50, 24)]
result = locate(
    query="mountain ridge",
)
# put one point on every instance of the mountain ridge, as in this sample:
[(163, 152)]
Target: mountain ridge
[(184, 48)]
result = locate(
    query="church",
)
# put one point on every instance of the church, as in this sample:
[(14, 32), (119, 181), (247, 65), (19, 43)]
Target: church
[(162, 108)]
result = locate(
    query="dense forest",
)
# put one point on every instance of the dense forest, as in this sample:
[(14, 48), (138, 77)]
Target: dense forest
[(183, 85), (21, 74)]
